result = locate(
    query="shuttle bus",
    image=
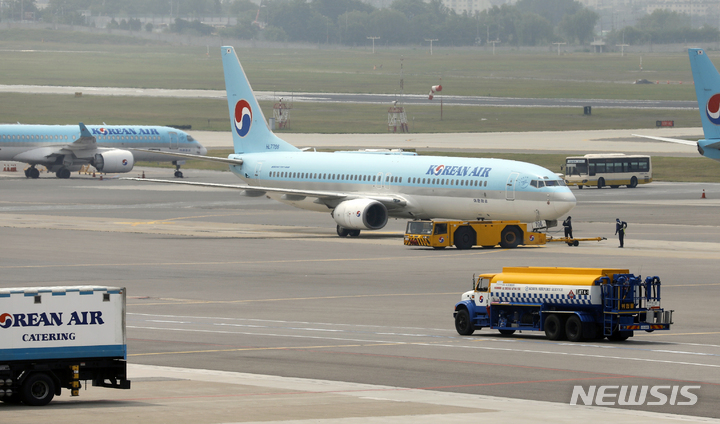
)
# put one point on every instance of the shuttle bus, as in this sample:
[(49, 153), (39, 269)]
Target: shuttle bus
[(610, 169)]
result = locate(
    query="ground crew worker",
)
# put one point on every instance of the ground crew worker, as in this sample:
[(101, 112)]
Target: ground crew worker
[(620, 227), (568, 227)]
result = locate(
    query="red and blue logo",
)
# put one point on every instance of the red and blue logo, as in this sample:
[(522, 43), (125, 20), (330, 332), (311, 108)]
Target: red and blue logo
[(358, 214), (124, 162), (5, 320), (243, 117), (713, 109), (438, 170)]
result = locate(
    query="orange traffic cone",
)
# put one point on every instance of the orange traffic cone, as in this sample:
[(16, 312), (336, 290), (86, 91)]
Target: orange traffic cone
[(703, 195)]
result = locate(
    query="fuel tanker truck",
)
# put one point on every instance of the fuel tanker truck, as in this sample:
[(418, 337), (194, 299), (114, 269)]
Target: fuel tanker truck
[(574, 303)]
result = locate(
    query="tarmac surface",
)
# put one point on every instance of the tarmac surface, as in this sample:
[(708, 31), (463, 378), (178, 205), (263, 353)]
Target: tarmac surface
[(567, 142), (247, 310)]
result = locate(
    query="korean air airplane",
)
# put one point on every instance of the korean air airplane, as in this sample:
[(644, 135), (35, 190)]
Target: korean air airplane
[(65, 148), (707, 90), (362, 189)]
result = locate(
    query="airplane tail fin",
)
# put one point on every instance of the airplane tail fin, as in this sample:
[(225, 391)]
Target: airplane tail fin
[(250, 131), (707, 89)]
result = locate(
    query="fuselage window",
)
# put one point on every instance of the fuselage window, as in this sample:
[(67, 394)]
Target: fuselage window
[(373, 178)]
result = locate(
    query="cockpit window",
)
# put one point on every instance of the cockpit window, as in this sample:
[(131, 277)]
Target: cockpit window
[(547, 183), (189, 138)]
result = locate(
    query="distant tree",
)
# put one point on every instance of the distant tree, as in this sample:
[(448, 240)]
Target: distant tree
[(661, 19), (149, 27), (134, 24), (272, 33), (533, 30), (190, 27), (353, 27), (390, 25), (579, 26)]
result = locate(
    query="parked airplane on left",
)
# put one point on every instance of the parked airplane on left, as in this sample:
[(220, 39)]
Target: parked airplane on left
[(66, 148)]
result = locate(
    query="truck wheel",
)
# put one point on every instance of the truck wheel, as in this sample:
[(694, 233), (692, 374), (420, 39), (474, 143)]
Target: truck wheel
[(507, 332), (464, 238), (601, 182), (510, 237), (37, 390), (574, 329), (463, 324), (554, 328), (633, 182)]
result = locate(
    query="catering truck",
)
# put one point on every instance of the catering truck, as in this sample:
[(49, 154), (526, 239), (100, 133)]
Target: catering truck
[(57, 337), (573, 303)]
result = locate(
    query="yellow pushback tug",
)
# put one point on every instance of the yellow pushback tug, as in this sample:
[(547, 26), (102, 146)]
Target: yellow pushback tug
[(466, 234)]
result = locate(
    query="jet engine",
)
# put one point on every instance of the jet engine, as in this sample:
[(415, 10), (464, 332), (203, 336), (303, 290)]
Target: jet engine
[(115, 160), (361, 214)]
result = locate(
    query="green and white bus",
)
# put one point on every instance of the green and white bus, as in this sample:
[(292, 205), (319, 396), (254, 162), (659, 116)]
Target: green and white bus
[(610, 169)]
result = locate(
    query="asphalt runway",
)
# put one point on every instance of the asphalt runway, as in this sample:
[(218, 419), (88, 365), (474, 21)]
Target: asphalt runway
[(243, 309), (412, 99)]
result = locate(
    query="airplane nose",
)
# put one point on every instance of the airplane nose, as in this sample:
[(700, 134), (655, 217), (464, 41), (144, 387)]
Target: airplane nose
[(203, 150), (563, 201)]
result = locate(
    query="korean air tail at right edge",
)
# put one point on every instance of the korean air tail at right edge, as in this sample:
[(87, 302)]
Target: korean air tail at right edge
[(250, 131), (707, 89)]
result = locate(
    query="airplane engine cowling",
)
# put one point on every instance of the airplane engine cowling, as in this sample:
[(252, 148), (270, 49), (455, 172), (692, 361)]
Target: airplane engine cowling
[(115, 160), (361, 214)]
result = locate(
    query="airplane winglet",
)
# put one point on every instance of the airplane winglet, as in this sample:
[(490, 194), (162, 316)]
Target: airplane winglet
[(84, 132)]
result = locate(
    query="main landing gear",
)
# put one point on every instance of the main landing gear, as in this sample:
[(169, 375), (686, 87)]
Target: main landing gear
[(344, 232), (63, 173), (32, 172)]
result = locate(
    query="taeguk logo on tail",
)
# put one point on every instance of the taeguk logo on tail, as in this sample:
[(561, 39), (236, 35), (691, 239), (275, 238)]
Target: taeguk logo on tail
[(5, 320), (243, 117), (713, 109)]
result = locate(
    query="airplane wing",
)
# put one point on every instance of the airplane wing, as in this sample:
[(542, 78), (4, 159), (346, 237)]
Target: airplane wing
[(670, 140), (191, 156), (86, 141), (329, 198)]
